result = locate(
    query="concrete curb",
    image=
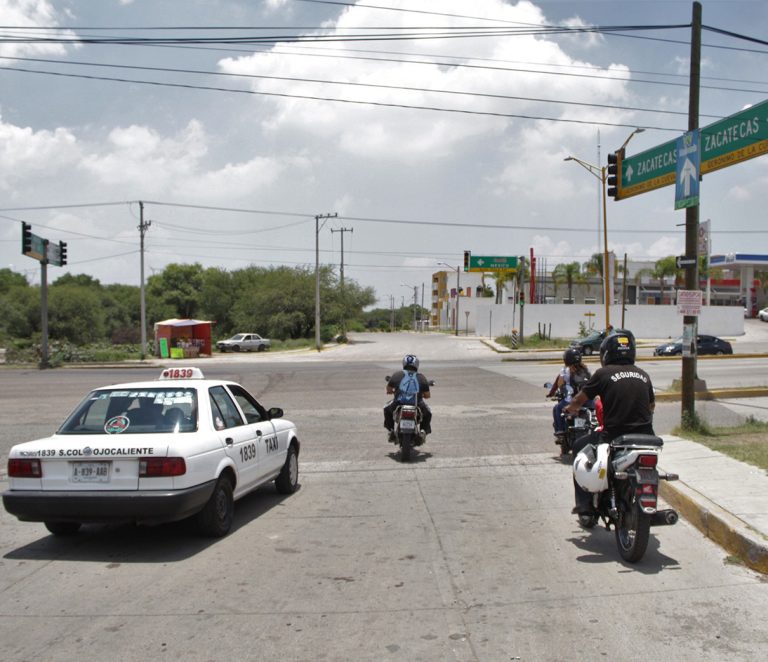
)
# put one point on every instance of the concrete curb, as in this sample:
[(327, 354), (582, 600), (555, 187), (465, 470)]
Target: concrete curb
[(728, 531), (717, 394)]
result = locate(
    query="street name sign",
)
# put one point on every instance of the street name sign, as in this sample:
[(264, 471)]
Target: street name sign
[(491, 263), (734, 139)]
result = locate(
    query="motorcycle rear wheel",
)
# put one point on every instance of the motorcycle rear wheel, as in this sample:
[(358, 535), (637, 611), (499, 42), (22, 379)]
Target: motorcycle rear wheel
[(632, 533), (406, 447)]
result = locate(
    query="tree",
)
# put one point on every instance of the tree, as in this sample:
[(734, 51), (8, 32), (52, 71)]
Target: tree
[(663, 268), (569, 274), (9, 279), (75, 314), (176, 290)]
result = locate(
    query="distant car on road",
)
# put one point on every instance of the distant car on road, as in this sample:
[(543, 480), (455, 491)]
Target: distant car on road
[(704, 345), (763, 314), (152, 452), (244, 342), (589, 344)]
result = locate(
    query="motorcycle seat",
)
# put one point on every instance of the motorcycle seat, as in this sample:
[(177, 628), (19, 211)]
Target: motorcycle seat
[(635, 439)]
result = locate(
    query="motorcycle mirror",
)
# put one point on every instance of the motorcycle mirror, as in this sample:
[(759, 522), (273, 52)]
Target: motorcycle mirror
[(386, 379), (431, 382), (547, 384)]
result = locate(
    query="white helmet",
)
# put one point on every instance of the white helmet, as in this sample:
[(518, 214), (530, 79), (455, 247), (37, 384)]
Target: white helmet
[(592, 475)]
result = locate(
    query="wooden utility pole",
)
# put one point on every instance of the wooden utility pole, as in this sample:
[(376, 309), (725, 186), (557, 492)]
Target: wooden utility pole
[(688, 377), (341, 272)]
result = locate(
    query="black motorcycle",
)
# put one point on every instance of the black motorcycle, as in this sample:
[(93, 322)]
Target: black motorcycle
[(407, 431), (576, 425), (624, 481)]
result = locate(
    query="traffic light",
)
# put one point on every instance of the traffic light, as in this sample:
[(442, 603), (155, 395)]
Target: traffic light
[(614, 174), (26, 238), (63, 252), (521, 297), (466, 260)]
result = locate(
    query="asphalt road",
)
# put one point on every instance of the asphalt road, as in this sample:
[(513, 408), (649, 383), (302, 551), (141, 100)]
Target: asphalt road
[(469, 553)]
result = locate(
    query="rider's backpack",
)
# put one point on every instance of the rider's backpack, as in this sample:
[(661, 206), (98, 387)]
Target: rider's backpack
[(408, 389)]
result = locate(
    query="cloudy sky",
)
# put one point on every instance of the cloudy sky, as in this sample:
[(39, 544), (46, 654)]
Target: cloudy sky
[(429, 127)]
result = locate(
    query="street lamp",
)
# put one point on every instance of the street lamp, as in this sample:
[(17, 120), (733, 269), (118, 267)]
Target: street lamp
[(602, 174), (458, 287)]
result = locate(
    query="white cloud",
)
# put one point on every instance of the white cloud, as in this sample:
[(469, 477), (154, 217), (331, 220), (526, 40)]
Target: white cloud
[(28, 13)]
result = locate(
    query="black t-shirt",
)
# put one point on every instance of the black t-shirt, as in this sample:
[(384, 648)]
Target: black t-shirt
[(627, 395), (394, 381)]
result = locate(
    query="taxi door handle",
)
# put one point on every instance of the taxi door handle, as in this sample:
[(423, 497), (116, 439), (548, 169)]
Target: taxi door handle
[(258, 433), (229, 441)]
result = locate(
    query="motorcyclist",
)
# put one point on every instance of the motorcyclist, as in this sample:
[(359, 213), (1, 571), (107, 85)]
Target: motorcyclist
[(627, 397), (411, 364), (570, 379)]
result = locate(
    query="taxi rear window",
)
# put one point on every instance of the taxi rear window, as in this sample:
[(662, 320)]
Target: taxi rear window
[(141, 411)]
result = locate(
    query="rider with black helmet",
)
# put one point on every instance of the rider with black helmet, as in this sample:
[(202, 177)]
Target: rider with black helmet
[(410, 364), (626, 393), (569, 381)]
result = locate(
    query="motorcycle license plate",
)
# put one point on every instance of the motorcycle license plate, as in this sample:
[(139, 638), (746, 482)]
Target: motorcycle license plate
[(406, 424), (579, 423)]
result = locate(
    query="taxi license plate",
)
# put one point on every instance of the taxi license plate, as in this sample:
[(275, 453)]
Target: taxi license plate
[(90, 472), (406, 424), (579, 423)]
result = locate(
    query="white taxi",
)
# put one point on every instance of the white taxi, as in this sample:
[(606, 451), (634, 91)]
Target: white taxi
[(153, 452)]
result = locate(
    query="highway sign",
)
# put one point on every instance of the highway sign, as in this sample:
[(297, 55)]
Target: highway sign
[(488, 263), (734, 139), (687, 170)]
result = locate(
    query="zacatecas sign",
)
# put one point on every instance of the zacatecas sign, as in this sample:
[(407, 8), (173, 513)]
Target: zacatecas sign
[(728, 141)]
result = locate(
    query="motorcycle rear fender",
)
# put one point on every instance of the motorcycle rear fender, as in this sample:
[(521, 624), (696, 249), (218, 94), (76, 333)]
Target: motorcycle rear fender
[(624, 458)]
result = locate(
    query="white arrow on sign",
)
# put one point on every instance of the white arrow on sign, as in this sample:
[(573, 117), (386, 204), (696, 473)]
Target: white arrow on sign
[(687, 175), (630, 171)]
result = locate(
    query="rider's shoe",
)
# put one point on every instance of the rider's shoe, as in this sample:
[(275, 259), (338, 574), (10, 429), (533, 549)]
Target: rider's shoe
[(392, 438)]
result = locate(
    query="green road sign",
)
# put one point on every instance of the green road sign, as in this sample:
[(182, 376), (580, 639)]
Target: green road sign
[(37, 248), (486, 263), (728, 141)]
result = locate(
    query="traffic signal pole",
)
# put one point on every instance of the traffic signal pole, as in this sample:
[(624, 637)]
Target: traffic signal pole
[(688, 377)]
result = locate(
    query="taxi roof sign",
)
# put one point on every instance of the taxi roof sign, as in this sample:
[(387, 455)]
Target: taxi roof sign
[(182, 373)]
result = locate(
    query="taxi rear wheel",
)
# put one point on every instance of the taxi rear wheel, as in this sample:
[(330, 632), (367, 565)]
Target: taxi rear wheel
[(63, 528), (215, 519), (288, 480)]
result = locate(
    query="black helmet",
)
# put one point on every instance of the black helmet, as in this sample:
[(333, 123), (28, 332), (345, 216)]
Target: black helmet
[(410, 362), (571, 356), (618, 348)]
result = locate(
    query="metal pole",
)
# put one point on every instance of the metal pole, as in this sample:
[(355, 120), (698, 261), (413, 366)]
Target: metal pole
[(688, 377), (624, 292), (458, 295), (608, 294), (318, 344), (142, 303), (44, 310)]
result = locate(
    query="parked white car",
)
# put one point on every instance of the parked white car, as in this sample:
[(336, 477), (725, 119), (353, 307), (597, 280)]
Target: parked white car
[(244, 342), (763, 314), (153, 452)]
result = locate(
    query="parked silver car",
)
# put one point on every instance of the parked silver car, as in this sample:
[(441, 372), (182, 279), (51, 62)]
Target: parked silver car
[(244, 342)]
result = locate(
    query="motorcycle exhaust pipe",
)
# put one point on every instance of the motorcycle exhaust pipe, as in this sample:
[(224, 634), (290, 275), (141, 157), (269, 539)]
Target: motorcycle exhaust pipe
[(664, 517)]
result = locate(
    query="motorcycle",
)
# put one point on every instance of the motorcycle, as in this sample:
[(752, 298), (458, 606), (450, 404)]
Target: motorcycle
[(623, 478), (407, 431), (576, 425)]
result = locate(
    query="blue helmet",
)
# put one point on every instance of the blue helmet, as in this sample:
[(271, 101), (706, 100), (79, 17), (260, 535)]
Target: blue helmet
[(410, 362)]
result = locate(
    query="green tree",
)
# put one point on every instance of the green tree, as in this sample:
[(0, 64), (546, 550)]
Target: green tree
[(569, 274), (175, 292), (9, 279), (75, 314), (662, 269)]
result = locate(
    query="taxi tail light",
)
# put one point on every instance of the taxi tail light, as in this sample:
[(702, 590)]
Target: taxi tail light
[(157, 467), (24, 468)]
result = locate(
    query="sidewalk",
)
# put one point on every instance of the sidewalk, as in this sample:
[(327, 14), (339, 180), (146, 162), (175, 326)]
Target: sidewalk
[(725, 499)]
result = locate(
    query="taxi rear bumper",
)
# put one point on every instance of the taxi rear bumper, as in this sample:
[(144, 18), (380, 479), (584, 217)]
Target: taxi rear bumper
[(140, 506)]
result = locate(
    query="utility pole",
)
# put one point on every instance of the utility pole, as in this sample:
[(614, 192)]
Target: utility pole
[(143, 227), (688, 377), (343, 293), (318, 344)]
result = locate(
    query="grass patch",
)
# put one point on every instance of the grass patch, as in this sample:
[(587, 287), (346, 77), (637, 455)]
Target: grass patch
[(747, 442), (534, 342)]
